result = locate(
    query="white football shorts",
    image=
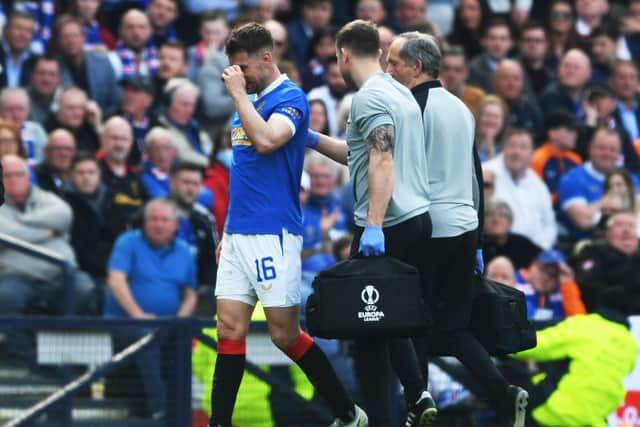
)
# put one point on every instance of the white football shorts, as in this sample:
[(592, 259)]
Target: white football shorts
[(265, 267)]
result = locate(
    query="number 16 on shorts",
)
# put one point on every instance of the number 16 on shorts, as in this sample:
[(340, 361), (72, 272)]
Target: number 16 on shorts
[(265, 269)]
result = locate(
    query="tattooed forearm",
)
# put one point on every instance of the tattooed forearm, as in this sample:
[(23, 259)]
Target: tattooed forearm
[(382, 138)]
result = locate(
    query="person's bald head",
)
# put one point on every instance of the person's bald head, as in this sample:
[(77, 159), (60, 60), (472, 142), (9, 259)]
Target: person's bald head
[(60, 149), (16, 178), (574, 70), (501, 269), (135, 29), (116, 139), (279, 36), (508, 80)]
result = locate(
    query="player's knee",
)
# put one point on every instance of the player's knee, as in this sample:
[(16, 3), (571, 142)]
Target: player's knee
[(231, 329), (282, 337)]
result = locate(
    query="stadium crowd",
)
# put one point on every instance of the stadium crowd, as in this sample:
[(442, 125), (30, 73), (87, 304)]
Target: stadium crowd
[(107, 105)]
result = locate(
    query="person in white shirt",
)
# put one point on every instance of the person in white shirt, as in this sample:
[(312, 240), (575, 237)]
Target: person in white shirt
[(527, 195)]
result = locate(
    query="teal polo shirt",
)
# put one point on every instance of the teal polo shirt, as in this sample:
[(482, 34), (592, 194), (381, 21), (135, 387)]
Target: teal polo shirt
[(156, 275)]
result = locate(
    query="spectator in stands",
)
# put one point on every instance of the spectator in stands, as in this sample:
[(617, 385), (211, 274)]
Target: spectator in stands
[(508, 84), (318, 117), (556, 156), (41, 218), (323, 221), (532, 47), (579, 347), (624, 82), (192, 143), (386, 35), (151, 273), (322, 48), (619, 185), (612, 263), (371, 10), (280, 39), (97, 36), (501, 241), (214, 30), (496, 43), (162, 15), (519, 186), (134, 54), (90, 71), (491, 119), (569, 91), (408, 12), (453, 75), (135, 106), (316, 14), (196, 225), (216, 102), (172, 63), (45, 88), (550, 289), (604, 46), (489, 182), (14, 106), (581, 189), (590, 14), (599, 109), (562, 33), (629, 43), (216, 177), (468, 25), (53, 173), (161, 158), (500, 269), (10, 140), (331, 93), (78, 115), (127, 194), (92, 236), (16, 57)]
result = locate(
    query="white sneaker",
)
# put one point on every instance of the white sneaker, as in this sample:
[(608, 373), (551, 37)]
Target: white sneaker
[(360, 420)]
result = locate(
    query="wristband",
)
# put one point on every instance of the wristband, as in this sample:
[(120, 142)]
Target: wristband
[(313, 138)]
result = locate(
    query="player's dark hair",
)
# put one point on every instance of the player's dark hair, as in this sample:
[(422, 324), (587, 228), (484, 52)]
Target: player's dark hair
[(250, 38), (360, 37)]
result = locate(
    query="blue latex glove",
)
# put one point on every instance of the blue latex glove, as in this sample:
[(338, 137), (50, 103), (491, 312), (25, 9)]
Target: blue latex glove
[(372, 241), (479, 262), (312, 138)]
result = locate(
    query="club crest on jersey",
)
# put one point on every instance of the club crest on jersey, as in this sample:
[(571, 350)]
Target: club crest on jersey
[(239, 136)]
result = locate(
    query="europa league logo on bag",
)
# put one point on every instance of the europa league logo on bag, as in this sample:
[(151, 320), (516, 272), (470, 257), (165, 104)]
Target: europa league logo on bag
[(370, 296)]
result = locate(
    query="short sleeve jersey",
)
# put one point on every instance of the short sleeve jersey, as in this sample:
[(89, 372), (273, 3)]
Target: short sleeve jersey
[(383, 101), (264, 188)]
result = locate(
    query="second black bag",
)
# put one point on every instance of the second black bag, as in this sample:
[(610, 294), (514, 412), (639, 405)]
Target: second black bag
[(367, 296), (499, 318)]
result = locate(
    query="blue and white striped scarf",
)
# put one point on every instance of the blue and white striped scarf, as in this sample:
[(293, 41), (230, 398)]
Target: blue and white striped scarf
[(128, 59)]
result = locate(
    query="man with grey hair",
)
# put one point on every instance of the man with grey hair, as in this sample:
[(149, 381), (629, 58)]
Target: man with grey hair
[(455, 182), (192, 144), (151, 274), (16, 106), (125, 186)]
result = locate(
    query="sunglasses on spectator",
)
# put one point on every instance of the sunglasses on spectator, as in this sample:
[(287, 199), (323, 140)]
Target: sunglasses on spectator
[(561, 15)]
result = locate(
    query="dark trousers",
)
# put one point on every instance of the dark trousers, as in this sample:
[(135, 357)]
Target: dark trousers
[(408, 242), (453, 261)]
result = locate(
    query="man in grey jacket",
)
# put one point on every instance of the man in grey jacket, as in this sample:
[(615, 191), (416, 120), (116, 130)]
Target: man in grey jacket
[(40, 218)]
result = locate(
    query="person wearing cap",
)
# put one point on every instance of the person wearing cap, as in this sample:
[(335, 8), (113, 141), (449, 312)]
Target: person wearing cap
[(90, 71), (556, 156), (135, 106), (549, 287)]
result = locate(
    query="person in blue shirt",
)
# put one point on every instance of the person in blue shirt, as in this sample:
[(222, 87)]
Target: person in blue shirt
[(151, 274), (259, 255)]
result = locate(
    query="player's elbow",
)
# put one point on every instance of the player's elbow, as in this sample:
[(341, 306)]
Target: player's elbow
[(264, 147)]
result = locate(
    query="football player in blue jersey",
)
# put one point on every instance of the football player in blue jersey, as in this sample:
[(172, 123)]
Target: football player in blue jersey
[(259, 255)]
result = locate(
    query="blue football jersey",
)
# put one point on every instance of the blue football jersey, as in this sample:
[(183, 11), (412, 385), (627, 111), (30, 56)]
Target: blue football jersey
[(265, 189)]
